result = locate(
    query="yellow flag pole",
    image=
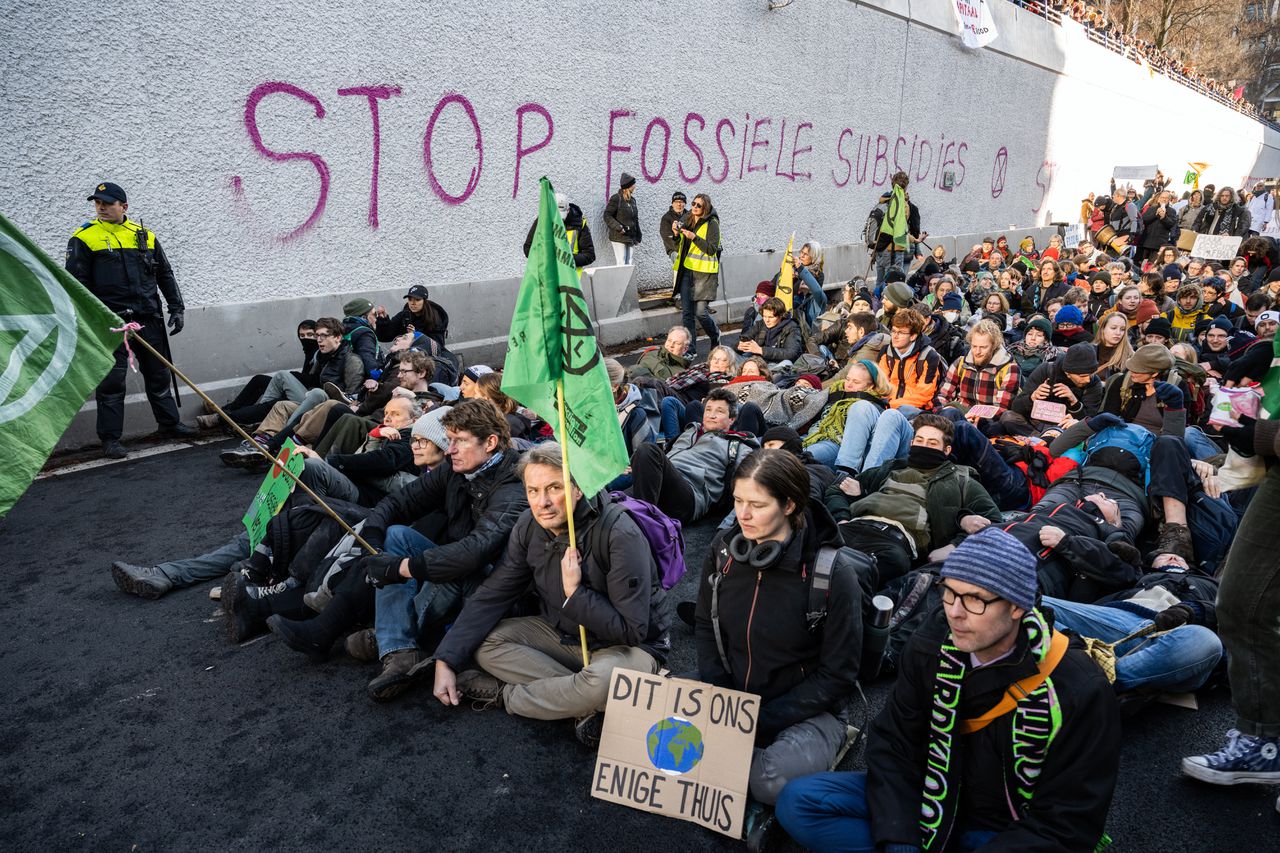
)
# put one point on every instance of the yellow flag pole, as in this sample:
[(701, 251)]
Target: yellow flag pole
[(568, 489)]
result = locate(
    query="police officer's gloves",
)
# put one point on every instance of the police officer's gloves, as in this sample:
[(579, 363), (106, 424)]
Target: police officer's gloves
[(176, 322), (1098, 423), (1173, 617), (382, 569)]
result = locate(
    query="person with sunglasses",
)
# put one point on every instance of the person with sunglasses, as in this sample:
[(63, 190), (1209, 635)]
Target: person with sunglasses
[(697, 266), (1000, 730)]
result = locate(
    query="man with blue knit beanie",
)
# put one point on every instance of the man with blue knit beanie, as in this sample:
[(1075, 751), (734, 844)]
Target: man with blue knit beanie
[(1000, 733)]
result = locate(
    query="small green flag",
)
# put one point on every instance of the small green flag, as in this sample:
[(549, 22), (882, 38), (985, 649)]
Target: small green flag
[(552, 340), (56, 345), (273, 492), (895, 219), (1271, 383)]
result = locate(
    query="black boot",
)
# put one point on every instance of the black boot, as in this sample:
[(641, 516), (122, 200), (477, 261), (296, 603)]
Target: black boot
[(246, 616), (315, 637)]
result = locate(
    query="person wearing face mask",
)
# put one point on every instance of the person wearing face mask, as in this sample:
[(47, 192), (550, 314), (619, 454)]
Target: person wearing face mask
[(751, 628), (579, 235), (248, 395), (1223, 217), (912, 510), (985, 376), (946, 337), (857, 430)]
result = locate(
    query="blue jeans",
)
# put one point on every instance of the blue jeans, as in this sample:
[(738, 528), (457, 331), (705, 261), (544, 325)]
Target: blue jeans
[(207, 567), (672, 422), (1198, 444), (404, 610), (883, 265), (828, 812), (1178, 662), (871, 438), (698, 310), (1006, 484)]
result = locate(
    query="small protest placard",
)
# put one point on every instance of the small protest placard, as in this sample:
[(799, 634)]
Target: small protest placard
[(274, 491), (1073, 235), (983, 411), (1043, 410), (1215, 248), (1135, 173), (677, 748)]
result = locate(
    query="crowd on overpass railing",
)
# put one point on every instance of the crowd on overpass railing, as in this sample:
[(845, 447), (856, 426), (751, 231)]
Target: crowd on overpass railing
[(1102, 30), (1034, 485)]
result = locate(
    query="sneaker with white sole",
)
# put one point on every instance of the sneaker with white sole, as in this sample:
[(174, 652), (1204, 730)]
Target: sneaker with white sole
[(1245, 758)]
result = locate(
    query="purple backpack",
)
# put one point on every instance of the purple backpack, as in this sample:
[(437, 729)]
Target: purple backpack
[(666, 542)]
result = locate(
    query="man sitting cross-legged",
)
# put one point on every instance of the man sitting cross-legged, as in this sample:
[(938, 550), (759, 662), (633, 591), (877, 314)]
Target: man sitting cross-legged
[(532, 665)]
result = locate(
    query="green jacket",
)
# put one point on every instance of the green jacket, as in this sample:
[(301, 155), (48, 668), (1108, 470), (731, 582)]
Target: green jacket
[(659, 364)]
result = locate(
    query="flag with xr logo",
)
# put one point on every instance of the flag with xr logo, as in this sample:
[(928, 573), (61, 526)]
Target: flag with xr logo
[(59, 346), (552, 342)]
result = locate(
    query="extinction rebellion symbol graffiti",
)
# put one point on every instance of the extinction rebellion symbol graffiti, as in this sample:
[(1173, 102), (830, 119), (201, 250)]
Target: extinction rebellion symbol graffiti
[(998, 173)]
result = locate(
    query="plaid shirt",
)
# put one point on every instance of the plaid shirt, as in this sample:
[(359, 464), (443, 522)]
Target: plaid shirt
[(995, 384)]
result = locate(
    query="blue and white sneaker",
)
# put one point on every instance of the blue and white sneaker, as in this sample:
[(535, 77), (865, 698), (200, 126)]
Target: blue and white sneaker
[(1245, 758)]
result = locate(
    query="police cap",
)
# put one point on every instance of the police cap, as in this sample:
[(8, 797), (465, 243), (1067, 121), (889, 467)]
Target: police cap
[(108, 192)]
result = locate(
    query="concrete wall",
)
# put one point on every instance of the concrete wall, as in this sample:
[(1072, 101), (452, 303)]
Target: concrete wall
[(291, 155)]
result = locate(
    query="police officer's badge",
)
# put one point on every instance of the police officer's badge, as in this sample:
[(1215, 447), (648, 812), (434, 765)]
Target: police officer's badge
[(102, 187)]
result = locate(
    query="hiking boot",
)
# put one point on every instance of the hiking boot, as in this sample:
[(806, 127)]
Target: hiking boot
[(395, 677), (255, 591), (178, 430), (318, 599), (302, 635), (685, 610), (481, 688), (587, 729), (207, 421), (336, 393), (246, 616), (1175, 539), (1245, 758), (113, 449), (242, 455), (363, 645), (143, 581)]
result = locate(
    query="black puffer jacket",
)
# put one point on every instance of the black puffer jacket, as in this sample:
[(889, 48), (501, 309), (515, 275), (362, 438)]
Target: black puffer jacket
[(620, 601), (432, 321), (1072, 792), (797, 672), (784, 342), (478, 516)]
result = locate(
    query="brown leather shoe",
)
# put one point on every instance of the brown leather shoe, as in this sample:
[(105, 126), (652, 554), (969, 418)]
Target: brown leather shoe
[(363, 645), (395, 677)]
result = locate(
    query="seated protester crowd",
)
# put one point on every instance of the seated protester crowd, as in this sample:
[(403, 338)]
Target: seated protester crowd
[(1020, 450)]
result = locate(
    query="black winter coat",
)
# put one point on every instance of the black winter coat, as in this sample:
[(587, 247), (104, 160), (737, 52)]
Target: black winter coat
[(432, 322), (478, 516), (620, 600), (1157, 231), (784, 342), (1232, 220), (1073, 790), (798, 673), (573, 221), (1080, 567), (1088, 399), (364, 342)]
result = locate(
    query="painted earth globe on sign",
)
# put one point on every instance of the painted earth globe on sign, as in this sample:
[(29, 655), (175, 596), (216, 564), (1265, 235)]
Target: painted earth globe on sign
[(675, 745)]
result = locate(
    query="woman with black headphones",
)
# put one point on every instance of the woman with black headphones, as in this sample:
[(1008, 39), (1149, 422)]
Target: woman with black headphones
[(780, 615)]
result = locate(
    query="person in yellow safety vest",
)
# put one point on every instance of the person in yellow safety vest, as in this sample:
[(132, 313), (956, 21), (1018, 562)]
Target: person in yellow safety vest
[(122, 264), (697, 266), (584, 251)]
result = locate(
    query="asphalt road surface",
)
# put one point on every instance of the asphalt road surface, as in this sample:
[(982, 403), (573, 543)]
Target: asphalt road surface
[(134, 725)]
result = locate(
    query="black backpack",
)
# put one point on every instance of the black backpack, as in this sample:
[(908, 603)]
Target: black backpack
[(871, 230)]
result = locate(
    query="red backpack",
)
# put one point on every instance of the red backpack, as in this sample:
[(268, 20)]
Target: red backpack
[(1031, 456)]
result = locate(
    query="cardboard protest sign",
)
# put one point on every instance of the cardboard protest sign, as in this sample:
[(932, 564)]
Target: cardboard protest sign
[(1215, 248), (274, 491), (1135, 173), (1073, 235), (677, 748), (1043, 410), (982, 411)]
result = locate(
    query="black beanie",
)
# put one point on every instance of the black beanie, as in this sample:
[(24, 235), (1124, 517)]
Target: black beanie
[(790, 439), (1080, 358)]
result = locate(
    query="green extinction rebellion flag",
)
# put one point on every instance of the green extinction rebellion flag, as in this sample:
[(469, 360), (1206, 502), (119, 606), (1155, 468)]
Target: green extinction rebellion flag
[(552, 340), (55, 347)]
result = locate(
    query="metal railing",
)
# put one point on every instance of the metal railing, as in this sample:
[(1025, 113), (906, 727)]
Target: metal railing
[(1045, 9)]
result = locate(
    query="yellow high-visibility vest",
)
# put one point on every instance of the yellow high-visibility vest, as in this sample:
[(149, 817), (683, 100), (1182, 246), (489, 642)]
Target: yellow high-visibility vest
[(697, 260)]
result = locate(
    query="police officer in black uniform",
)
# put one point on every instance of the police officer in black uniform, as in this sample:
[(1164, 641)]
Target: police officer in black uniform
[(122, 264)]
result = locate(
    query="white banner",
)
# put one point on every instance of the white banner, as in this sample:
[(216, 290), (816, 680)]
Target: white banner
[(977, 29), (1073, 235), (1134, 173), (1215, 248)]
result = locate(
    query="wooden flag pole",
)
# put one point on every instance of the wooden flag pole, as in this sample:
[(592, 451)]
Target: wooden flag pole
[(235, 426), (568, 490)]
